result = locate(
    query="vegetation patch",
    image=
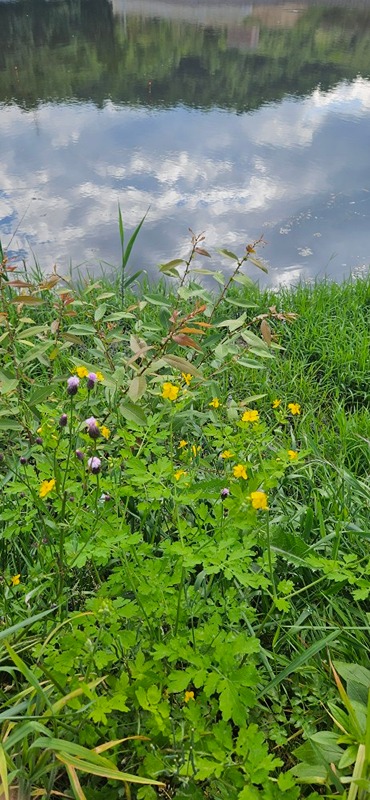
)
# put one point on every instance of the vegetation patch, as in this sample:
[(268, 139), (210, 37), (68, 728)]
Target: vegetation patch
[(184, 536)]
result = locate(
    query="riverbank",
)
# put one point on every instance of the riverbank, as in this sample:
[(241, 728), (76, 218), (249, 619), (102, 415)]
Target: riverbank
[(184, 539)]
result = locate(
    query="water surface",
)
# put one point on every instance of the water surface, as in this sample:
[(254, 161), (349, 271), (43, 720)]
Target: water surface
[(234, 119)]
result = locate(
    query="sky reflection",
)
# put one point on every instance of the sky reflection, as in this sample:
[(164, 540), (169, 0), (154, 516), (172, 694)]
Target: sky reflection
[(296, 171)]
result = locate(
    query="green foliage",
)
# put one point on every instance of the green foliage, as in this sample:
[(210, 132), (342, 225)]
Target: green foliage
[(79, 49), (177, 554), (341, 757)]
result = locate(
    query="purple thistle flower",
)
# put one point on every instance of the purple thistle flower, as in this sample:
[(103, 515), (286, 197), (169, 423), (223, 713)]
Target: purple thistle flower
[(23, 460), (224, 493), (94, 465), (38, 440), (80, 455), (63, 420), (72, 384), (92, 428), (91, 380)]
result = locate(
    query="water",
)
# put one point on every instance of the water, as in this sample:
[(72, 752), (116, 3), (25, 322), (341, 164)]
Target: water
[(230, 118)]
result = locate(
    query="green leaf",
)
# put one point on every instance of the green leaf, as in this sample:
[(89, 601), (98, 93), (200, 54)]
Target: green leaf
[(82, 330), (133, 413), (179, 680), (247, 362), (169, 268), (183, 365), (298, 662), (258, 263), (27, 673), (25, 623), (137, 388), (99, 312), (9, 424), (233, 324), (111, 774), (39, 393), (4, 774), (243, 279), (228, 253)]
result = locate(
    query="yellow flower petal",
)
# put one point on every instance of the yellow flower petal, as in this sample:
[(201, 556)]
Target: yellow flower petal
[(170, 391), (239, 471), (292, 454), (259, 500), (46, 487), (294, 408), (251, 415), (82, 372)]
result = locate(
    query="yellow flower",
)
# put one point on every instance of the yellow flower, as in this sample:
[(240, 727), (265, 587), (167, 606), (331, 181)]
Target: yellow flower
[(188, 696), (252, 415), (294, 408), (46, 487), (187, 377), (215, 402), (226, 454), (99, 376), (240, 472), (179, 474), (182, 444), (292, 454), (276, 403), (195, 449), (82, 372), (259, 500), (16, 579), (105, 431), (169, 391)]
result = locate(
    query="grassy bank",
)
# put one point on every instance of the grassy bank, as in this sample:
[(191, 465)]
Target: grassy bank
[(184, 540)]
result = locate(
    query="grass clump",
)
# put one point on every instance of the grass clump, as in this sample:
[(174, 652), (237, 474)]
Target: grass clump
[(184, 538)]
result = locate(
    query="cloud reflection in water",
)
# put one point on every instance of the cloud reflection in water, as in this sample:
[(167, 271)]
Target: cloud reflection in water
[(297, 171)]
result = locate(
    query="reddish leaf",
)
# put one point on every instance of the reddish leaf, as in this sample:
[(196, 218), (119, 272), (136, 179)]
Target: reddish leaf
[(266, 332), (186, 341), (202, 251)]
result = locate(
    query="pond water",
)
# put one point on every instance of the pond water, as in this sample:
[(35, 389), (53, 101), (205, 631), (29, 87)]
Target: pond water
[(236, 119)]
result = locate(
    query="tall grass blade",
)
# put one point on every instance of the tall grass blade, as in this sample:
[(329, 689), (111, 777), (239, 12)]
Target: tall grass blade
[(4, 774), (24, 624), (298, 662)]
